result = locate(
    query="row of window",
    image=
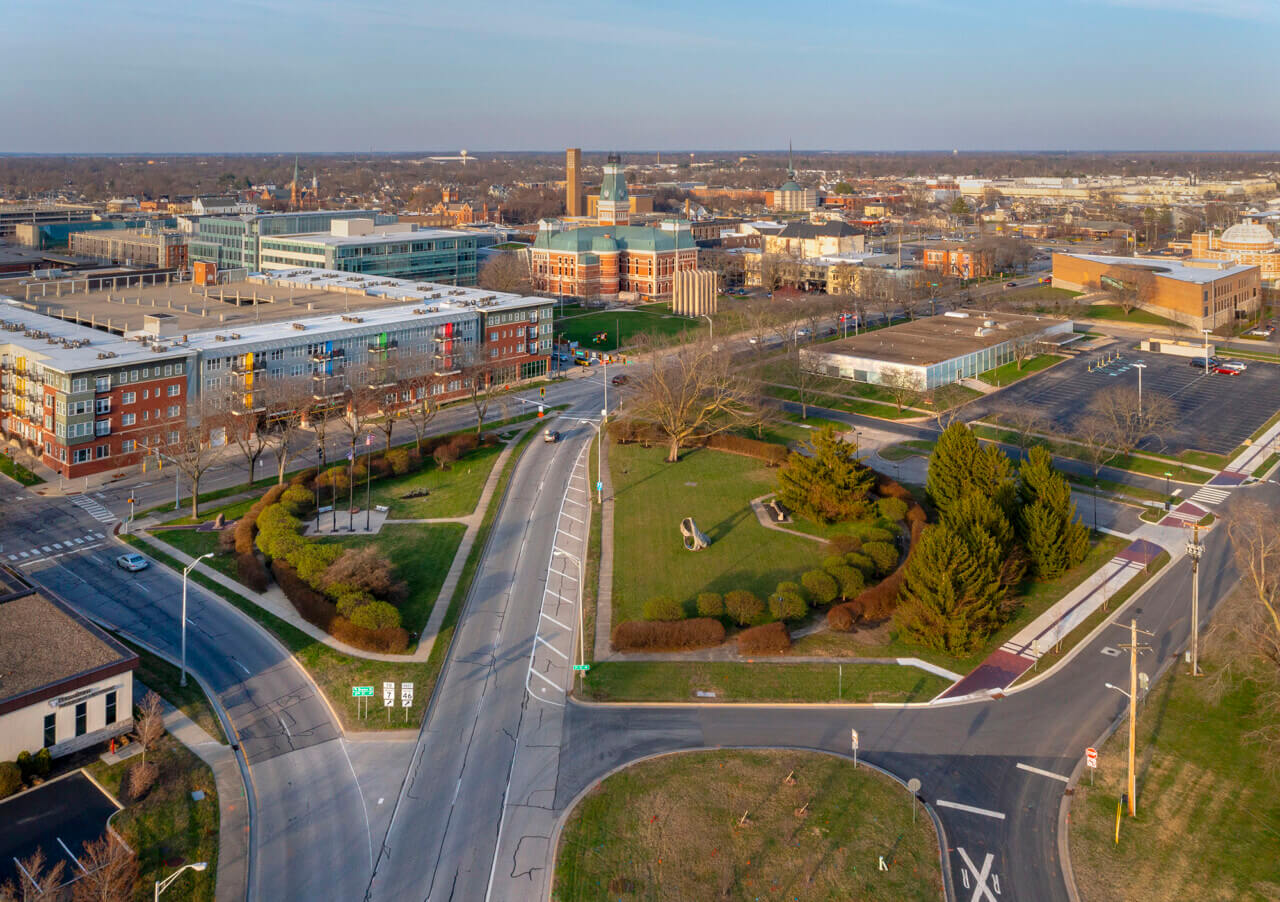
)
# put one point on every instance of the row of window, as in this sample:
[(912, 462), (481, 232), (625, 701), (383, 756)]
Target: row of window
[(50, 737), (122, 377)]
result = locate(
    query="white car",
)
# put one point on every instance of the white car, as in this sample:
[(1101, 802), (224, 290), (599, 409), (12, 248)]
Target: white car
[(1238, 366), (132, 562)]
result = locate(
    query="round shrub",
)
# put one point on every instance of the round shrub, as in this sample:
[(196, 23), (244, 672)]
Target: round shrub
[(350, 601), (743, 607), (894, 509), (710, 604), (376, 615), (403, 460), (43, 762), (10, 778), (849, 580), (840, 618), (769, 639), (663, 607), (304, 478), (25, 767), (298, 501), (311, 560), (787, 605), (278, 533), (860, 561), (883, 554), (821, 587), (833, 560), (335, 478), (876, 534), (843, 544)]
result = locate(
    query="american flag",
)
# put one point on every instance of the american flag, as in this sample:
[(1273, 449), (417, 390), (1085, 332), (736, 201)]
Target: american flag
[(368, 439)]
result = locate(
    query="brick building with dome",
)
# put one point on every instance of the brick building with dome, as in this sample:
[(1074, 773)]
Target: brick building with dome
[(611, 257), (1246, 243)]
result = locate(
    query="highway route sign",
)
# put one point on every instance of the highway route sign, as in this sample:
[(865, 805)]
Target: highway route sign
[(388, 695), (406, 694), (361, 691), (1091, 757), (581, 666)]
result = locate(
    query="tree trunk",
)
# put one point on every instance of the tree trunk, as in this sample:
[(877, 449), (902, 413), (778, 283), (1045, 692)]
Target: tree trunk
[(673, 450), (195, 498)]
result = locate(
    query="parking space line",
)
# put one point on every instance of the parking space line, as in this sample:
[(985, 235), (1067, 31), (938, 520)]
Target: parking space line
[(544, 679), (69, 855)]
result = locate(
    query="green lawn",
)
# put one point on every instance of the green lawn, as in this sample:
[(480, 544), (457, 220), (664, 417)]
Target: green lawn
[(197, 543), (1117, 314), (1039, 293), (233, 511), (583, 327), (746, 825), (422, 554), (679, 681), (1010, 372), (1134, 463), (715, 489), (848, 405), (453, 492), (167, 826), (15, 470), (1208, 812)]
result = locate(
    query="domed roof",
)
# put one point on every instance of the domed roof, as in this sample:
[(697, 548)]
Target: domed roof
[(790, 186), (1248, 235)]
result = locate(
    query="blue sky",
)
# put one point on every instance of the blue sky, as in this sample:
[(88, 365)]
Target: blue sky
[(284, 75)]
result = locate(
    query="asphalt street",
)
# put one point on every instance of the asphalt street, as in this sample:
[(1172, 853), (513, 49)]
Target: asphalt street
[(307, 801)]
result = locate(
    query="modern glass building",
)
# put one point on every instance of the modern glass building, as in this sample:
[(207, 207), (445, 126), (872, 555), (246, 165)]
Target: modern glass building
[(232, 242), (401, 251)]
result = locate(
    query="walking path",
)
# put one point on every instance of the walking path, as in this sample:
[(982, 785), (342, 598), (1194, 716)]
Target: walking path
[(273, 600)]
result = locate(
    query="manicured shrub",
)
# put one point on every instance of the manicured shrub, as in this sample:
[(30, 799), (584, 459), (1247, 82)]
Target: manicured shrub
[(376, 615), (349, 600), (821, 587), (841, 617), (887, 488), (252, 572), (768, 639), (226, 541), (43, 763), (663, 607), (246, 526), (917, 517), (25, 764), (278, 533), (787, 604), (298, 501), (833, 560), (743, 607), (305, 478), (391, 641), (10, 778), (879, 601), (891, 508), (403, 460), (334, 478), (848, 580), (843, 544), (876, 534), (312, 559), (883, 554), (710, 604), (771, 453), (367, 569), (314, 607), (862, 563), (139, 779), (444, 454), (679, 635)]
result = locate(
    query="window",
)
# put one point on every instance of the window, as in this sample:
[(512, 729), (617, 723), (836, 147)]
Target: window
[(133, 375), (102, 405), (103, 383), (173, 438), (127, 446), (128, 397), (82, 718), (102, 451), (60, 407), (111, 708), (79, 384), (50, 729), (128, 419), (146, 394), (175, 410), (168, 370), (102, 427), (174, 390), (177, 369), (81, 456)]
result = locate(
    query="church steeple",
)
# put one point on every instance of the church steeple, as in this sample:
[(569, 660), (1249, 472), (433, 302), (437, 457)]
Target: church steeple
[(791, 170)]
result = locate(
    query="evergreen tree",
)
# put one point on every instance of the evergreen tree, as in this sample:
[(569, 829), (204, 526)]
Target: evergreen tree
[(982, 525), (825, 481), (949, 602), (959, 466), (1054, 537)]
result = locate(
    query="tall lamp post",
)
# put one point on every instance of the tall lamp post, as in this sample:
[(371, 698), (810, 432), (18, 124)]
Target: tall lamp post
[(1139, 367), (1206, 349), (182, 680), (582, 642), (711, 325), (162, 885), (319, 470), (1195, 551)]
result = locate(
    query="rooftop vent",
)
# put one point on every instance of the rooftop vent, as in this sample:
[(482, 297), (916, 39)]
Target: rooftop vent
[(956, 314), (299, 326)]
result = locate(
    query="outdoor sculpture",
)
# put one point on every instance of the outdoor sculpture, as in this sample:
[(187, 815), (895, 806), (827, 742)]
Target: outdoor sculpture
[(694, 538)]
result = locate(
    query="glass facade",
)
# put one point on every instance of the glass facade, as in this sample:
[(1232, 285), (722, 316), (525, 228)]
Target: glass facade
[(450, 261)]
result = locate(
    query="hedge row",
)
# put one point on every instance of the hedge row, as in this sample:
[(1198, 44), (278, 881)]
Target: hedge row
[(879, 601), (632, 432), (768, 639), (246, 526), (661, 635)]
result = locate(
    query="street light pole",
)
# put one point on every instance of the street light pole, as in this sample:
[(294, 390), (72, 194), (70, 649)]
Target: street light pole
[(182, 680), (1195, 551), (162, 885), (1139, 367)]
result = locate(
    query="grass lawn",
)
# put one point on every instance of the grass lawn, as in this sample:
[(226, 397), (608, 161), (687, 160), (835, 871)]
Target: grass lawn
[(1134, 463), (158, 674), (1039, 293), (909, 448), (15, 470), (584, 327), (678, 681), (715, 488), (848, 405), (1009, 372), (233, 511), (1208, 814), (422, 554), (453, 492), (673, 828), (792, 429), (1107, 486), (196, 543), (165, 827), (1116, 313), (1266, 466)]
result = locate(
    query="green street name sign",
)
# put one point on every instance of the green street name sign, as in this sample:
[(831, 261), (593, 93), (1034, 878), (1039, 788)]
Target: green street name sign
[(581, 666), (362, 692)]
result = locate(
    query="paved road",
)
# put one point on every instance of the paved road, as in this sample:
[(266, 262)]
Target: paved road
[(307, 801)]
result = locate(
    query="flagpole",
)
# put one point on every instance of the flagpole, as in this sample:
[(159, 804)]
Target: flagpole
[(368, 478)]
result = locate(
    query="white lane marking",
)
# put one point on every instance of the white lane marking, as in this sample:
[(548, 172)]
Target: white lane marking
[(544, 679), (980, 876), (140, 587), (571, 517), (550, 646), (1043, 773), (560, 573), (559, 596), (985, 812), (364, 806), (555, 621), (241, 666), (284, 726)]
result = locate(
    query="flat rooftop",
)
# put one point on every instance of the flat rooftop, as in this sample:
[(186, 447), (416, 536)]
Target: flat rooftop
[(1209, 271), (43, 643), (933, 339), (330, 240)]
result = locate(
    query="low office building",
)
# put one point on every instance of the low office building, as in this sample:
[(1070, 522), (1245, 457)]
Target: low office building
[(816, 239), (1202, 294), (963, 261), (154, 247), (221, 205), (234, 242), (400, 250), (934, 351), (12, 215), (65, 685)]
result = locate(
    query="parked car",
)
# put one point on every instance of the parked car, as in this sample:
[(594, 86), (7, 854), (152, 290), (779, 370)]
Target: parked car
[(132, 562), (550, 436), (620, 380), (1235, 366), (1200, 364), (1010, 284)]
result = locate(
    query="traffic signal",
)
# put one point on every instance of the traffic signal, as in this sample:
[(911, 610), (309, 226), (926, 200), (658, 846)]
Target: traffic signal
[(542, 392)]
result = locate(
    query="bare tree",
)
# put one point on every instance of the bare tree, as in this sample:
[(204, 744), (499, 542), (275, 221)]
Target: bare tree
[(947, 401), (245, 429), (150, 722), (111, 871), (187, 443), (1130, 419), (691, 390), (760, 317), (34, 881), (481, 381), (800, 377), (1129, 287), (1255, 535), (902, 384), (421, 406), (1027, 422), (507, 271), (287, 401)]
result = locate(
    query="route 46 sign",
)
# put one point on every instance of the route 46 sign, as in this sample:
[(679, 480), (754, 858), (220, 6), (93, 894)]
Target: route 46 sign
[(406, 695), (1091, 757)]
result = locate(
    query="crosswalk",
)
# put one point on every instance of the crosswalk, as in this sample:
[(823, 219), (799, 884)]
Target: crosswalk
[(93, 508), (1208, 495), (57, 549)]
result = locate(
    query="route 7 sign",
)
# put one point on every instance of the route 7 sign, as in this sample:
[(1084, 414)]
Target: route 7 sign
[(388, 695), (1091, 757)]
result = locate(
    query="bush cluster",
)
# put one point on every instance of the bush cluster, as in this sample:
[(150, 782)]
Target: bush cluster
[(252, 572), (661, 635), (771, 453), (37, 765), (246, 526), (663, 607), (879, 601), (767, 639), (11, 778), (743, 607), (891, 508), (710, 604)]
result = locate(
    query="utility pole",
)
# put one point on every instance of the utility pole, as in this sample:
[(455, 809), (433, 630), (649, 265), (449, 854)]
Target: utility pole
[(1134, 650), (1195, 551)]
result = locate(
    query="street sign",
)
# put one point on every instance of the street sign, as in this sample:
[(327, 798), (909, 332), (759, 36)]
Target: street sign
[(599, 486), (406, 694), (1091, 757), (388, 695), (855, 739), (361, 691), (581, 666)]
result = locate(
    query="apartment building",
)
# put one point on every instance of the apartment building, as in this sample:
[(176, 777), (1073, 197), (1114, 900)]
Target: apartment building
[(159, 248)]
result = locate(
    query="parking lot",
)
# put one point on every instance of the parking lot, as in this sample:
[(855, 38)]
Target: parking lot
[(1215, 412), (59, 817)]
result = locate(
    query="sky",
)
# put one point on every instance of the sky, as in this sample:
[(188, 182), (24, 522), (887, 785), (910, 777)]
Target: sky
[(142, 76)]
